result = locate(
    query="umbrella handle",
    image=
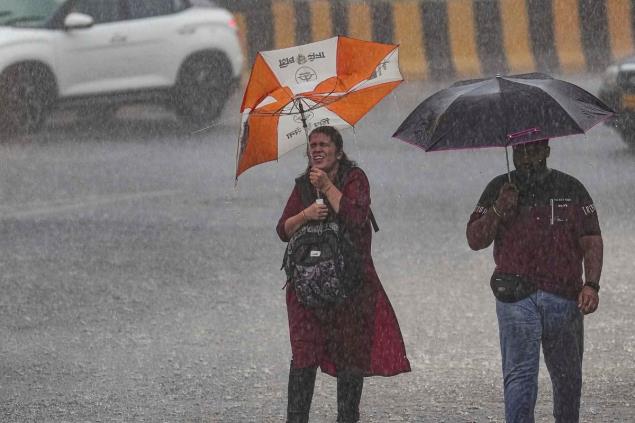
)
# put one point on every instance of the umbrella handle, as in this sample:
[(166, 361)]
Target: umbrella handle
[(298, 103), (509, 176), (306, 132)]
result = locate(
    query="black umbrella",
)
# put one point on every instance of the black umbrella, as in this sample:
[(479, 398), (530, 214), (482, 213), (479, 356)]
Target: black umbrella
[(501, 111)]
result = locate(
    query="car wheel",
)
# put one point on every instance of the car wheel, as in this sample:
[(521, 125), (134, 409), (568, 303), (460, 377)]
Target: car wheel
[(203, 89), (23, 101)]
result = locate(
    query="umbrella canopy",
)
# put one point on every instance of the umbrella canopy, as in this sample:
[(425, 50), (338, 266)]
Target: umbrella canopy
[(501, 111), (294, 90)]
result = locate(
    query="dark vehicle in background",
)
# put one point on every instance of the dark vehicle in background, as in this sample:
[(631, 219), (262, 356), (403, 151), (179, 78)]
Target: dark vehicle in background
[(99, 54), (618, 92)]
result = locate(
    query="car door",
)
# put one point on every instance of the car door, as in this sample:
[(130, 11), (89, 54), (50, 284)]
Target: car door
[(92, 60), (152, 47)]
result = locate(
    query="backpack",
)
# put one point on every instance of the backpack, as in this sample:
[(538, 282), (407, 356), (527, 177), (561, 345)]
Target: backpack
[(321, 261), (322, 264)]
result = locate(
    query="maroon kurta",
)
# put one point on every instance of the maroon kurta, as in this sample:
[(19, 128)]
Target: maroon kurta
[(363, 333)]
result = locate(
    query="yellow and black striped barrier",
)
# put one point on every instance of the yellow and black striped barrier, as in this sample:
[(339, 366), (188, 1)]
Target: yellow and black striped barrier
[(441, 39)]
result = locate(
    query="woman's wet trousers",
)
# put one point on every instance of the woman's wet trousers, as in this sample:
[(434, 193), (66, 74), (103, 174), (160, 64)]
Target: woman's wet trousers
[(300, 394), (349, 393)]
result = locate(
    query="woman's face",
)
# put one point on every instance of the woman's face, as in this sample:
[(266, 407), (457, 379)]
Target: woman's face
[(323, 153)]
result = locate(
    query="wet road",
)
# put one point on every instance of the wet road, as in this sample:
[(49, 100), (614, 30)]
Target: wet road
[(138, 284)]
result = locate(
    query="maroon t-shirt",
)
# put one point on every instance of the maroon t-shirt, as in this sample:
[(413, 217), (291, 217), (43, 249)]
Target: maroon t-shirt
[(542, 241)]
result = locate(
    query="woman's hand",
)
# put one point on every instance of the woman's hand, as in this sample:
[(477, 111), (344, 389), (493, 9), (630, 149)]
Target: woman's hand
[(316, 212), (320, 180)]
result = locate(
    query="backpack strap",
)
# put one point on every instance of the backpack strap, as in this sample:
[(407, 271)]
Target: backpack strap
[(307, 195), (373, 222), (371, 216)]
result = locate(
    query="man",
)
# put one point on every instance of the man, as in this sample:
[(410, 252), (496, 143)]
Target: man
[(545, 229)]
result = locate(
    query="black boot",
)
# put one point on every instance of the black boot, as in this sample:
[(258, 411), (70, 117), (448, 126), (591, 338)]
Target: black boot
[(300, 394), (349, 393)]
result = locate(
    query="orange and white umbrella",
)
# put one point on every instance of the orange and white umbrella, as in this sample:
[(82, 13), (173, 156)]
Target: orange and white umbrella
[(293, 90)]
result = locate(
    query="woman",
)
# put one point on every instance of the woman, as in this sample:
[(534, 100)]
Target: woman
[(360, 337)]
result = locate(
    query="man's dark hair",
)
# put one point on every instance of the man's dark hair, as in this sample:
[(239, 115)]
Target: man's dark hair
[(544, 141)]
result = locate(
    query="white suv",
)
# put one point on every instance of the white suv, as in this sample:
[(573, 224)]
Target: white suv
[(59, 53)]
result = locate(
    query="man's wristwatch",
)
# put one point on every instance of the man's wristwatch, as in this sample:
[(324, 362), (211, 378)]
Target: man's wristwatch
[(593, 285)]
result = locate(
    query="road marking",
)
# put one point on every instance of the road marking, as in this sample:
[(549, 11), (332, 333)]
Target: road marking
[(516, 36), (409, 33), (44, 209), (463, 38), (568, 36), (283, 23)]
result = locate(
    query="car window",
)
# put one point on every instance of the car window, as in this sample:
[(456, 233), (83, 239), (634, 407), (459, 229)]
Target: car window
[(203, 3), (179, 5), (29, 13), (138, 9), (101, 11)]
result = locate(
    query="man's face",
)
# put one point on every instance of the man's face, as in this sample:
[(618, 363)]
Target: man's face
[(531, 158)]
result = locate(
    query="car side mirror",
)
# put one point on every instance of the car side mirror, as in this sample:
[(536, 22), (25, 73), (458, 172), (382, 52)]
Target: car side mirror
[(78, 21)]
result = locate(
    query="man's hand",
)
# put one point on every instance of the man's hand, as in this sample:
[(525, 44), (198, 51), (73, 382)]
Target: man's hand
[(588, 300), (507, 200), (319, 179)]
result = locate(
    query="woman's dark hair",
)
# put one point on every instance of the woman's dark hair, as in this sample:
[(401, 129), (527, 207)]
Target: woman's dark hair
[(345, 164)]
